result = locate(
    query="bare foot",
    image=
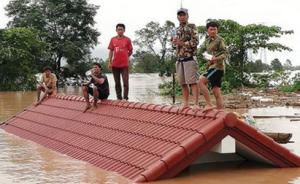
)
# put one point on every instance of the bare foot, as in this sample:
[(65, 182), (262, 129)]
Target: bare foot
[(196, 107), (37, 103), (87, 107), (94, 106), (183, 106), (208, 108)]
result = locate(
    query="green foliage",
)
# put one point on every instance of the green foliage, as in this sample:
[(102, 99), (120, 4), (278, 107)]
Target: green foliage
[(276, 65), (20, 51), (270, 79), (257, 66), (226, 87), (288, 65), (155, 40), (242, 39), (166, 88), (66, 25), (292, 86), (279, 79), (145, 62)]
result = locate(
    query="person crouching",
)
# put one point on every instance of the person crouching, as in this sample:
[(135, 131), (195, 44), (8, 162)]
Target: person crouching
[(98, 87)]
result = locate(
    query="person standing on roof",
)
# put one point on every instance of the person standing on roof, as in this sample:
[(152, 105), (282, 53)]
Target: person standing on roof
[(186, 42), (120, 49), (215, 46)]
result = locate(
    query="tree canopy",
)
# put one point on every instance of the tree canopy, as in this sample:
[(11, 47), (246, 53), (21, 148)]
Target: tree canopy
[(66, 25), (155, 39), (242, 39), (20, 51)]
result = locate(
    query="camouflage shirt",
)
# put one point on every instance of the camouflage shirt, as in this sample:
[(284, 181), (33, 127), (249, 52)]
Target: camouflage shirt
[(189, 35), (217, 48)]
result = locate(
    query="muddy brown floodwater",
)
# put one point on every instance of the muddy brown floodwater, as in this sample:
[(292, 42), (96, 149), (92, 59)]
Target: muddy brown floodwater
[(24, 162)]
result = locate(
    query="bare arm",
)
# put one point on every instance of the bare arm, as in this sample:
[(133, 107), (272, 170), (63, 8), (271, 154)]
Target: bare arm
[(130, 48), (110, 55), (98, 80)]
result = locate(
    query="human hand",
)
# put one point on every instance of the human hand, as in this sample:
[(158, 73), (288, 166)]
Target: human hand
[(109, 66), (177, 42), (213, 60), (85, 84)]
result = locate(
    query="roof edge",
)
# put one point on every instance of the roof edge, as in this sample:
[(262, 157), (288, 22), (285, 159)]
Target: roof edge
[(151, 107)]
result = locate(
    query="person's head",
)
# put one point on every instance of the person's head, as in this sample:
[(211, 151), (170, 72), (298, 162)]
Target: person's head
[(96, 67), (182, 15), (120, 28), (212, 28), (47, 70)]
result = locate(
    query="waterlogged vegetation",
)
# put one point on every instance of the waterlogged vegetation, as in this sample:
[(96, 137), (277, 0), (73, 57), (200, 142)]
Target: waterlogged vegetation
[(52, 32)]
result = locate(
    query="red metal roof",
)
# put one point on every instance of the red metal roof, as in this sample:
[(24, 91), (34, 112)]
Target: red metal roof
[(143, 142)]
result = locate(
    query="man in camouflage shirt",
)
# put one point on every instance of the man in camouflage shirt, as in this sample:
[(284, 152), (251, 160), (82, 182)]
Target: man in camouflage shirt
[(214, 45), (186, 41)]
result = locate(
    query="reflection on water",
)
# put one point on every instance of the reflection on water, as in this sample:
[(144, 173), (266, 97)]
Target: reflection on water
[(23, 162)]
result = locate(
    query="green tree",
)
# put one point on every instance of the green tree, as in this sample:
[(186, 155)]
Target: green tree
[(20, 51), (145, 62), (67, 25), (257, 66), (276, 65), (240, 40), (156, 40), (288, 65)]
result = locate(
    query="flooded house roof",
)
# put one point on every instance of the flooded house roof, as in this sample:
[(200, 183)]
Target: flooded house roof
[(143, 142)]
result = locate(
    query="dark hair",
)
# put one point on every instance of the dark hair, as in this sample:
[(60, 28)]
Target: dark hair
[(97, 64), (120, 25), (47, 68), (212, 24)]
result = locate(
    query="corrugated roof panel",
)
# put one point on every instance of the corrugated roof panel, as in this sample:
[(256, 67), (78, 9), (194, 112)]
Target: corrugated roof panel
[(143, 142)]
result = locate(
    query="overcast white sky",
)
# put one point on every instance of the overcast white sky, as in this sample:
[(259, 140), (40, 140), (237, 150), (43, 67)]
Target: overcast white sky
[(136, 13)]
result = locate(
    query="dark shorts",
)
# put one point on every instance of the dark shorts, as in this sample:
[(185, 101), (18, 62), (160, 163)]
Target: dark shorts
[(214, 77), (102, 95)]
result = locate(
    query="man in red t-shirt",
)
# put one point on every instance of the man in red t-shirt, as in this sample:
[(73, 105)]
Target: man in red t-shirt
[(120, 49)]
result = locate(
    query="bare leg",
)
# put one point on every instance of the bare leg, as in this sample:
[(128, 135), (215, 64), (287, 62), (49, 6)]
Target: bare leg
[(203, 87), (219, 98), (195, 89), (38, 96), (47, 92), (96, 95), (38, 93), (86, 97), (185, 93)]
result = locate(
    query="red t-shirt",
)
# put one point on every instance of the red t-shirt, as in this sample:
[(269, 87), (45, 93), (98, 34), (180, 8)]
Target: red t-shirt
[(122, 48)]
